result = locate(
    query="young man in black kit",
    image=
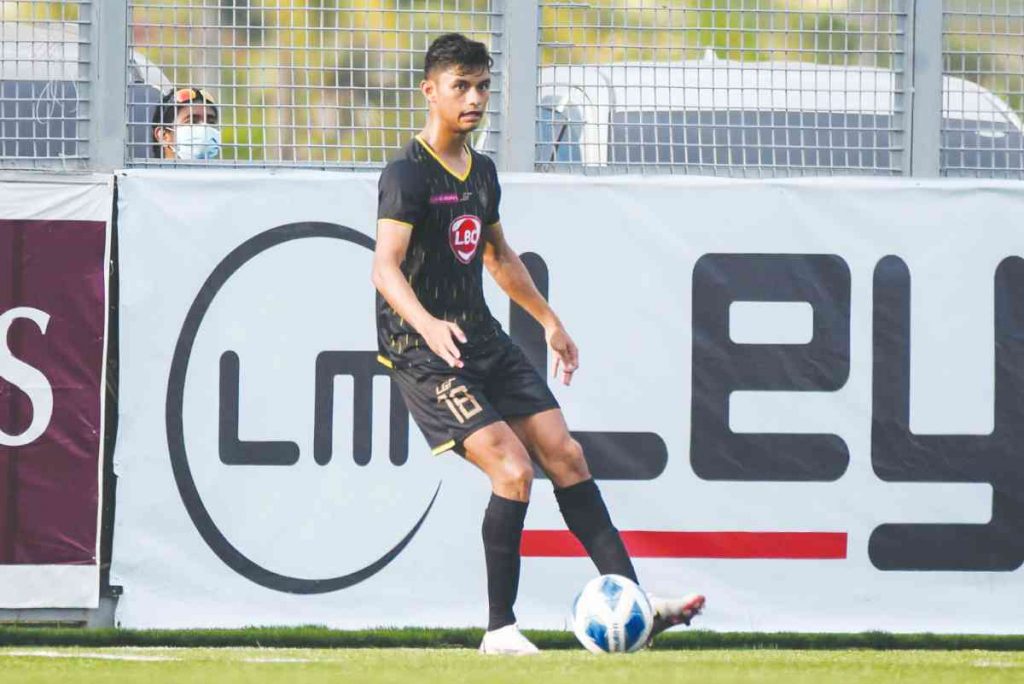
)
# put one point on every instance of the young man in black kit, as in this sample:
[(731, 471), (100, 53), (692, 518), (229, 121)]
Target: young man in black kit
[(468, 386)]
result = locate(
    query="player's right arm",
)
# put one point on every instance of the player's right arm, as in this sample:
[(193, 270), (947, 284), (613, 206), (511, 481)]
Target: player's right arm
[(401, 205), (392, 243)]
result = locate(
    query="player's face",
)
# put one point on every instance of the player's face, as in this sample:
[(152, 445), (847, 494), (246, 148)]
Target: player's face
[(458, 98)]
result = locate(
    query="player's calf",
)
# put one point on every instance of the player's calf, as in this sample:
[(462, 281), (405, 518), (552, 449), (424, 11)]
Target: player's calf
[(587, 517)]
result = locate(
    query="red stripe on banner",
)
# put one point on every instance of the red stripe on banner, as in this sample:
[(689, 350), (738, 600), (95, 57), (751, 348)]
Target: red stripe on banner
[(642, 544)]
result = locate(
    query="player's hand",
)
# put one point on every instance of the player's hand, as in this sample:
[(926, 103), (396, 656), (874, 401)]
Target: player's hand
[(440, 336), (567, 356)]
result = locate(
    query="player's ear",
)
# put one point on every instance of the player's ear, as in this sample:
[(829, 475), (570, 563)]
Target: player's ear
[(429, 89)]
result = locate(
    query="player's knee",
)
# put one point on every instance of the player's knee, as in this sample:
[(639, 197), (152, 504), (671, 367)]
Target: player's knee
[(565, 463), (505, 461), (517, 474), (513, 469), (572, 450), (570, 455)]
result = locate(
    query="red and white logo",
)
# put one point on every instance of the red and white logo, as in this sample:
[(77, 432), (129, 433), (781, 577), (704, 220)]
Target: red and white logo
[(464, 237)]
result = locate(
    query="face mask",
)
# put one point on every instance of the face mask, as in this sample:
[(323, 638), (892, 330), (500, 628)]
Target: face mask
[(196, 141)]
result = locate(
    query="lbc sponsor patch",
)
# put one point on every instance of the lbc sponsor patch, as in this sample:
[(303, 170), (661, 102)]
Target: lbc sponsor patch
[(464, 237)]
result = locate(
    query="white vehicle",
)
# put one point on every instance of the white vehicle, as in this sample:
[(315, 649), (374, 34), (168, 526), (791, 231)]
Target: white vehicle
[(712, 113), (41, 99)]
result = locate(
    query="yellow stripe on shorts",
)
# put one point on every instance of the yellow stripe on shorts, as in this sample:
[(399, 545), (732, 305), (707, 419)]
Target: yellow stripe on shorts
[(443, 448)]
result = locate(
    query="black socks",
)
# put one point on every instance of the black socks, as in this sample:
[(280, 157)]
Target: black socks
[(502, 532), (587, 517)]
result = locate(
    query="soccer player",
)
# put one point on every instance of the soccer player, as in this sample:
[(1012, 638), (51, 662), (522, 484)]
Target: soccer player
[(468, 386)]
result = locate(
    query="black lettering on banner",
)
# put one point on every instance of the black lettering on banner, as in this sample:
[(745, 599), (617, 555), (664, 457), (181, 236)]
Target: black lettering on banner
[(174, 417), (363, 367), (522, 328), (234, 451), (721, 366), (897, 455), (610, 455)]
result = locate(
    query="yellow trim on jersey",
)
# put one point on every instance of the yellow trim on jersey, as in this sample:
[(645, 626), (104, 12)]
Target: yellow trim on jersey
[(469, 165), (384, 361), (401, 223), (443, 448)]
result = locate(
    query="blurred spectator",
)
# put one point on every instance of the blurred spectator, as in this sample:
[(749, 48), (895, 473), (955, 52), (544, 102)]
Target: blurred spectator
[(185, 126)]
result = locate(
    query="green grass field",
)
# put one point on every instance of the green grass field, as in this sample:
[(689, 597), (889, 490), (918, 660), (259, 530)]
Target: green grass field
[(427, 666)]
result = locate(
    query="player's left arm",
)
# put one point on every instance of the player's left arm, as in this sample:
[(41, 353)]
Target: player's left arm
[(508, 271)]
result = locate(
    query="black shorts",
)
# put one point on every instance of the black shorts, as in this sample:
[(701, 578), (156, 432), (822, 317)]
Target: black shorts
[(449, 404)]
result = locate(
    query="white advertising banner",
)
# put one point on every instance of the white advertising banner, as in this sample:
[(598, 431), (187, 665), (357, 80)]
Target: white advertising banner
[(803, 398)]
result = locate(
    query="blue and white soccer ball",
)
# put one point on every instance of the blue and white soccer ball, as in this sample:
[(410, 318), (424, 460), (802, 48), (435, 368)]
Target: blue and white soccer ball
[(612, 615)]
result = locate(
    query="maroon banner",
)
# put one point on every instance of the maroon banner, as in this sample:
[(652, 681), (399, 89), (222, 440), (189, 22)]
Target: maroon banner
[(52, 325)]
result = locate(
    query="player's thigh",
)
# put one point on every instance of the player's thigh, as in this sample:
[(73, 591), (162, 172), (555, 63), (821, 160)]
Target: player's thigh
[(546, 436), (497, 451)]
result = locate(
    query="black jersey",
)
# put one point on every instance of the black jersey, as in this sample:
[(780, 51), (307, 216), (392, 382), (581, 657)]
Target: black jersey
[(447, 214)]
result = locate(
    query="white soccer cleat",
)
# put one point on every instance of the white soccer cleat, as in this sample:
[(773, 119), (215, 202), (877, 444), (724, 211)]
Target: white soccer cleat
[(669, 612), (507, 640)]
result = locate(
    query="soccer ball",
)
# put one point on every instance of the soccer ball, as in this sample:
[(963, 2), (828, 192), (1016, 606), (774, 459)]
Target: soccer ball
[(612, 615)]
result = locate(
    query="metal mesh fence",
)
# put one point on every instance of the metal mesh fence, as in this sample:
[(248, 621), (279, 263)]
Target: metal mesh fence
[(44, 84), (983, 88), (320, 83), (723, 87)]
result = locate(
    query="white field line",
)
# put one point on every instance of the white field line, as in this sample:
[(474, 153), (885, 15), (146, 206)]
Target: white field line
[(282, 660), (85, 654), (138, 656), (994, 663)]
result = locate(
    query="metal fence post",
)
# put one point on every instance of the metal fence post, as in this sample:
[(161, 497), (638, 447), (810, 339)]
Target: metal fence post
[(107, 84), (925, 92), (519, 88)]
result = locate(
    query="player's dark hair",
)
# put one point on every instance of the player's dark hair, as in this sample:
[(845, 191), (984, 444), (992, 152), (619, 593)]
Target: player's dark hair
[(164, 113), (455, 49)]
